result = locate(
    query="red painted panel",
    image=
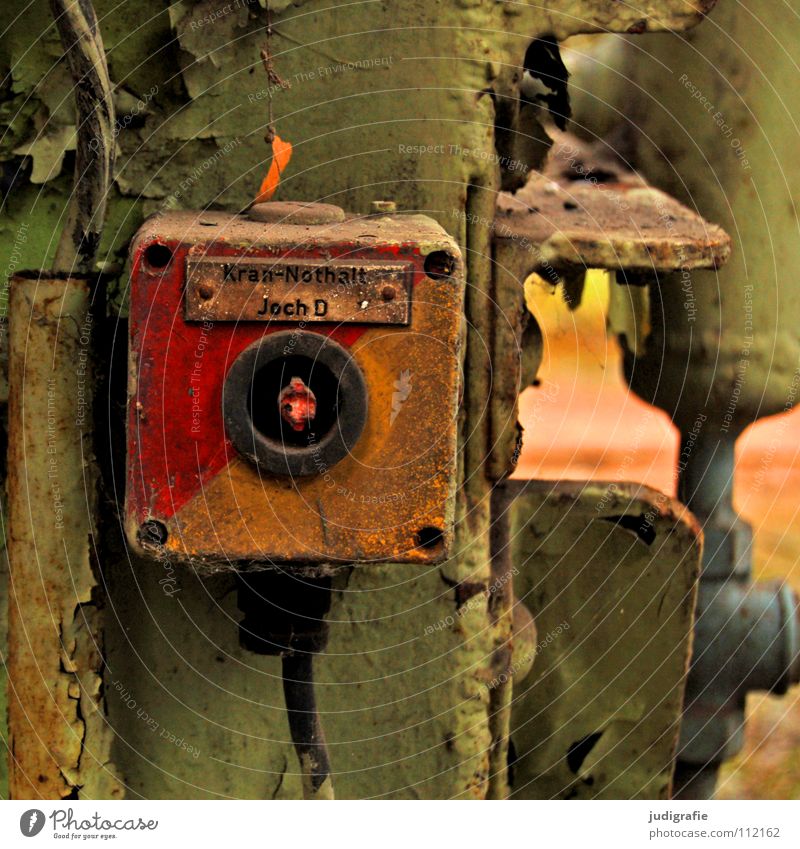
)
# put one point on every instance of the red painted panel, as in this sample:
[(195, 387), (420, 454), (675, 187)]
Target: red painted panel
[(176, 437)]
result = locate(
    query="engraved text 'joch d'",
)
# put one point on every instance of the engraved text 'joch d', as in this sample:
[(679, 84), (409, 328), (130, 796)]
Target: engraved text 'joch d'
[(223, 289)]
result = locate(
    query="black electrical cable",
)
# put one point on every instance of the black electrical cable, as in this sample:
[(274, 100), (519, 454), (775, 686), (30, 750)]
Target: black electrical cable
[(305, 725), (284, 615)]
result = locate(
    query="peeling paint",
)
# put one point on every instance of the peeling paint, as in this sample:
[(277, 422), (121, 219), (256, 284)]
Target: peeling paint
[(59, 737), (613, 652)]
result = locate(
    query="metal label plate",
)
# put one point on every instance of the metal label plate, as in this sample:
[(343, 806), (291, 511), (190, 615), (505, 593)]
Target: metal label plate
[(286, 290)]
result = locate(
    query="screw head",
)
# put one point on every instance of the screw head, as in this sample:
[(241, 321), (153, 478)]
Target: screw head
[(439, 265), (153, 534)]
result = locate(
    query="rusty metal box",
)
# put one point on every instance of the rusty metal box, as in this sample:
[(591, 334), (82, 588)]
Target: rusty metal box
[(293, 387)]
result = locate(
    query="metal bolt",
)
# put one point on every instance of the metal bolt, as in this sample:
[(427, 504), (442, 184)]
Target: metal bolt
[(205, 291), (388, 293)]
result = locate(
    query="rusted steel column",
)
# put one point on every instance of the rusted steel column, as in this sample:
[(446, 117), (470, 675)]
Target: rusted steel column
[(58, 738)]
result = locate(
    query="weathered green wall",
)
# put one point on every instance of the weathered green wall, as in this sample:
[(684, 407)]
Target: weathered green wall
[(609, 572), (176, 677), (412, 717), (397, 703), (709, 116)]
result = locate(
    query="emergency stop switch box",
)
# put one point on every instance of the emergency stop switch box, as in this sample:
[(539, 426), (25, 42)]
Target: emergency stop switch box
[(294, 380)]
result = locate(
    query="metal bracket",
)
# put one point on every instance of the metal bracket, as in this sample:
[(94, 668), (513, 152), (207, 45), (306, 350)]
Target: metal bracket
[(586, 210)]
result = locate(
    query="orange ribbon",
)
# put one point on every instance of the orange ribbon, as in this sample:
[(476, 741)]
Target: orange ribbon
[(281, 154)]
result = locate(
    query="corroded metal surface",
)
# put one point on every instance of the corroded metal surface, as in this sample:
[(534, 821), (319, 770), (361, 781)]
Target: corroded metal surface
[(609, 572), (59, 740), (567, 18), (586, 211), (392, 495), (516, 357)]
